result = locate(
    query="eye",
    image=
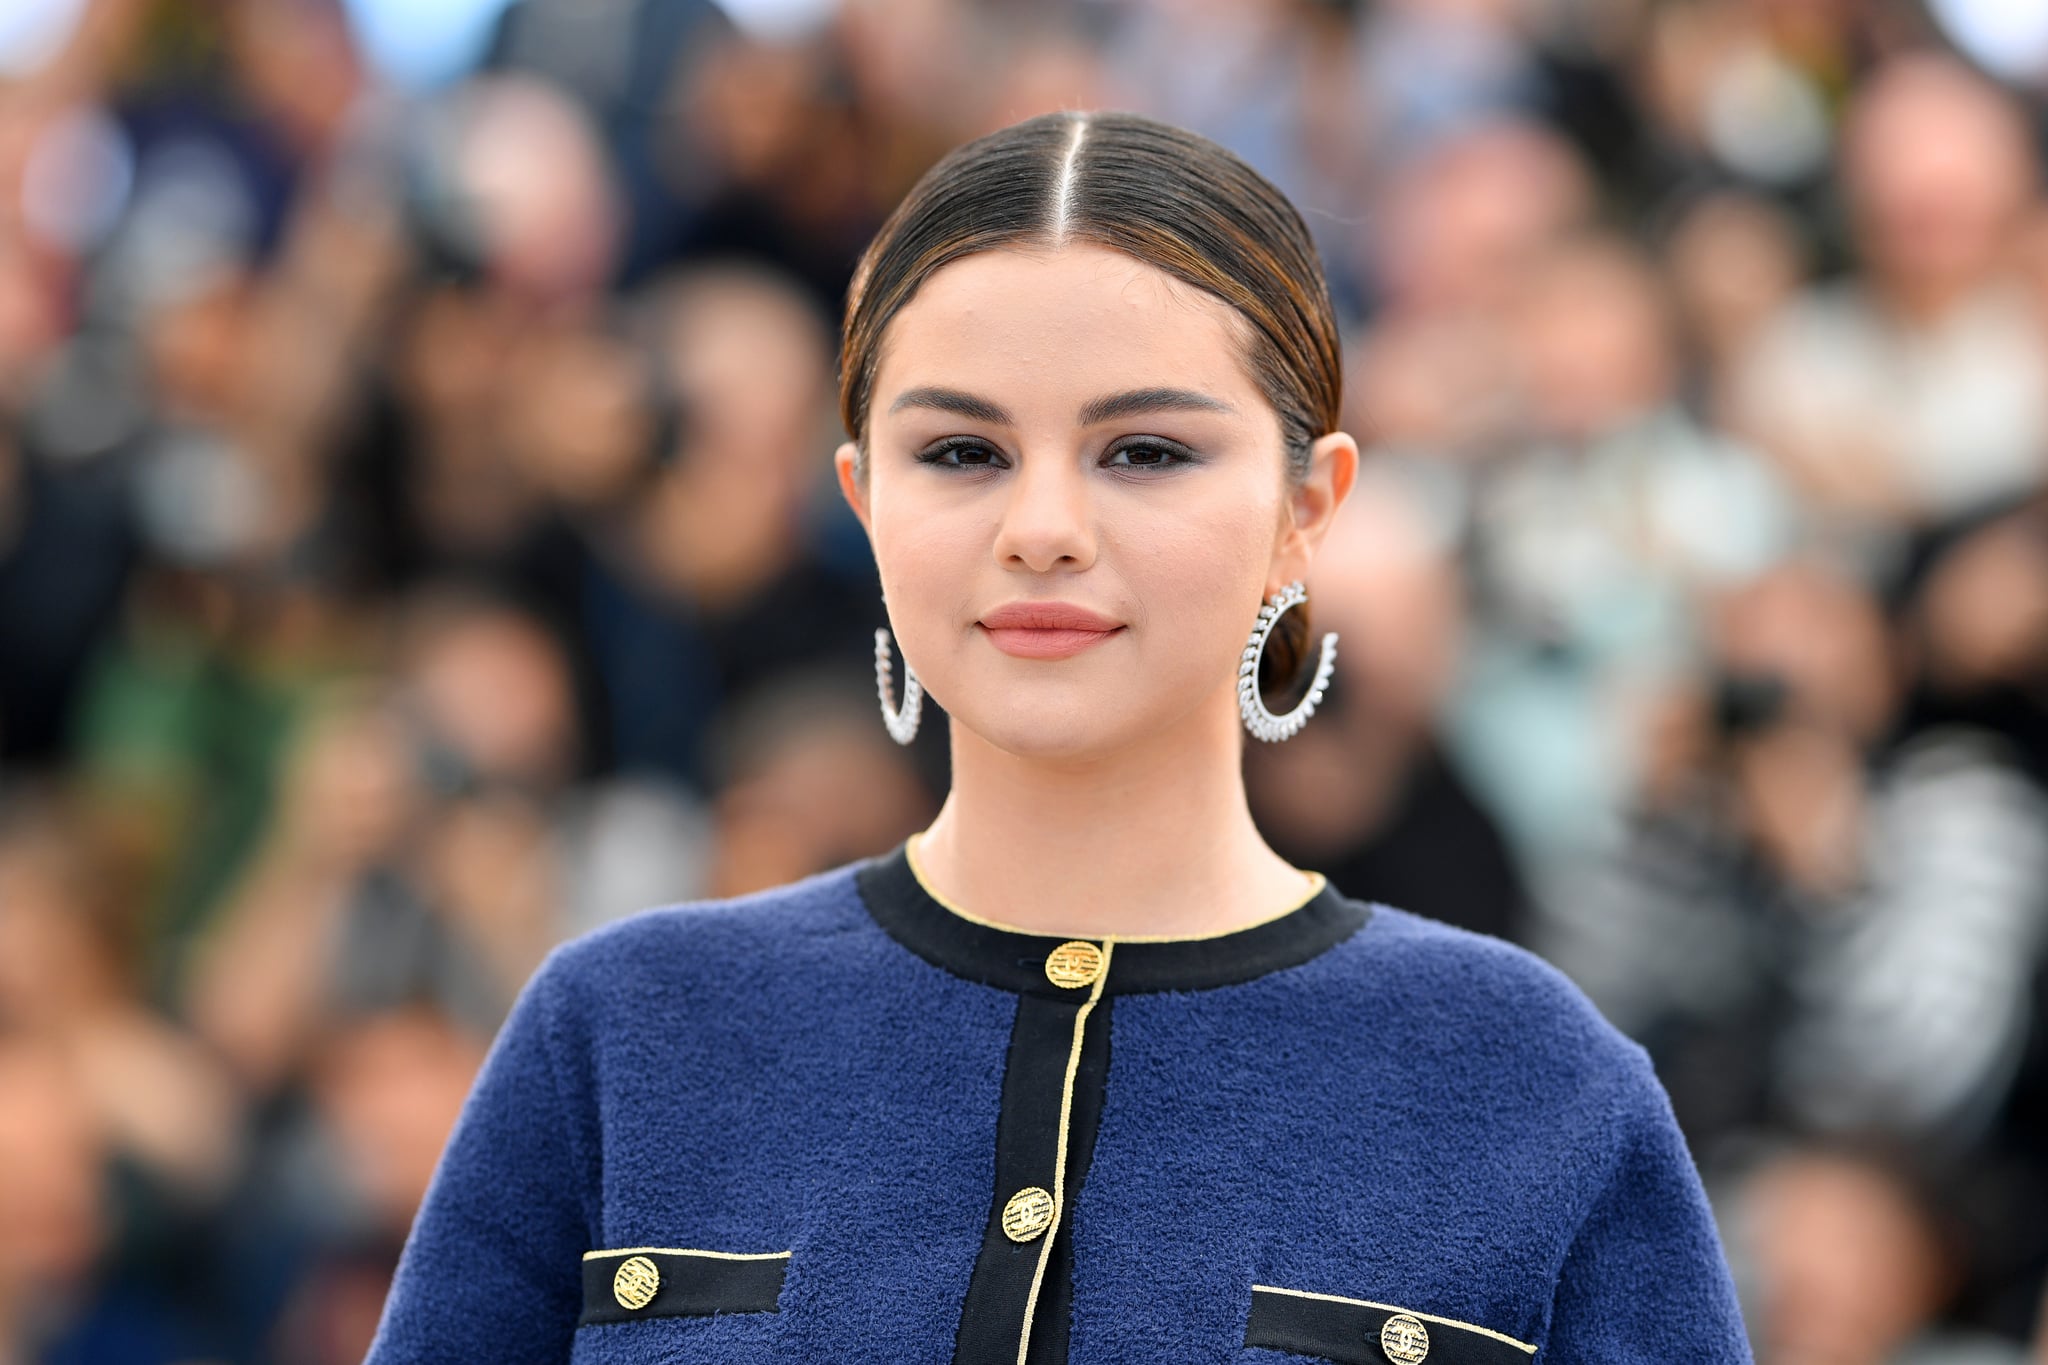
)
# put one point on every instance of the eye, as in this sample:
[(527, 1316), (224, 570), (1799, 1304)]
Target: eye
[(963, 452), (1150, 453)]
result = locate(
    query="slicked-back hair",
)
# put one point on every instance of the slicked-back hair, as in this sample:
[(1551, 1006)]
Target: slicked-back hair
[(1161, 194)]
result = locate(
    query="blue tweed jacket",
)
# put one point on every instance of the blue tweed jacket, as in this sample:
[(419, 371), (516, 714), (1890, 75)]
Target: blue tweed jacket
[(845, 1122)]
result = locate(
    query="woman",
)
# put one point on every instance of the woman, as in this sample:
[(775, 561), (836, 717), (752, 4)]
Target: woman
[(1085, 1071)]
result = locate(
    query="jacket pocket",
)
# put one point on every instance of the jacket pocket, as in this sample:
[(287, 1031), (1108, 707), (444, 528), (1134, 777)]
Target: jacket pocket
[(632, 1283), (1359, 1332)]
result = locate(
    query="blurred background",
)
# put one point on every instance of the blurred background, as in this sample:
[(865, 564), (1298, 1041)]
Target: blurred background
[(417, 546)]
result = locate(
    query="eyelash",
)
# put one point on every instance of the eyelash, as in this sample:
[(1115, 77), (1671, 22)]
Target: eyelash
[(1176, 455)]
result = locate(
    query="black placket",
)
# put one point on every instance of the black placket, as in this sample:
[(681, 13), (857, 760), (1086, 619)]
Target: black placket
[(1014, 1279), (1056, 1076)]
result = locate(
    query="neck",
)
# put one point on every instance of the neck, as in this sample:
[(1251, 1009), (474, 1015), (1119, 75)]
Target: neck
[(1155, 838)]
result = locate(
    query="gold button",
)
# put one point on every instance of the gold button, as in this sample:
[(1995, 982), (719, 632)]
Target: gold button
[(635, 1283), (1404, 1339), (1074, 965), (1028, 1213)]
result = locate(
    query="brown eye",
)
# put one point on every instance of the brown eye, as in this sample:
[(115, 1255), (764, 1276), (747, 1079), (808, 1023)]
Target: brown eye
[(962, 454), (1148, 455)]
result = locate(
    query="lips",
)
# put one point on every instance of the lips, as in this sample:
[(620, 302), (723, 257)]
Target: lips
[(1046, 630)]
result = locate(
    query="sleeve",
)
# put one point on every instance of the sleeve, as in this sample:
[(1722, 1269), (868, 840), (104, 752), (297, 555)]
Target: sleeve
[(1644, 1279), (492, 1269)]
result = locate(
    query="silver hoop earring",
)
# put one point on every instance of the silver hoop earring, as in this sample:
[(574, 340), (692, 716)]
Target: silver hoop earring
[(1263, 724), (902, 723)]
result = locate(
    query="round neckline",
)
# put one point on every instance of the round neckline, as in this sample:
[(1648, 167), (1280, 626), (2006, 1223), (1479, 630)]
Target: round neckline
[(1013, 958)]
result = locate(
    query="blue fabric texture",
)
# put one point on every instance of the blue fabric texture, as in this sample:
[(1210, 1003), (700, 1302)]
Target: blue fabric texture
[(1417, 1116)]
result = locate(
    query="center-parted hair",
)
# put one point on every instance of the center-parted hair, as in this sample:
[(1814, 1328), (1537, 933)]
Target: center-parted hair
[(1166, 196), (1171, 198)]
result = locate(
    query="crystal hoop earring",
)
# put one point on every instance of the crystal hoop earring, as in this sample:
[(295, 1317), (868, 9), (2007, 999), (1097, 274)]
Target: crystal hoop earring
[(902, 723), (1263, 724)]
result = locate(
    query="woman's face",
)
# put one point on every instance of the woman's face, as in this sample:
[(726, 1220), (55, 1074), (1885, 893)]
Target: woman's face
[(1077, 498)]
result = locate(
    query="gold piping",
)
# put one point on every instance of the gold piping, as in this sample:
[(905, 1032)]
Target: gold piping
[(1522, 1346), (1316, 881), (690, 1251), (1059, 1166)]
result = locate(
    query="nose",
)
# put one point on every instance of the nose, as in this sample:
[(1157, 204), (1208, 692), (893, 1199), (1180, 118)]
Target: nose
[(1047, 521)]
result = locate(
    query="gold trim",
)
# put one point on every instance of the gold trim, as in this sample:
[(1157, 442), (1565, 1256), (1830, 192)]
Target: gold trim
[(1522, 1346), (1316, 882), (1059, 1165), (689, 1251)]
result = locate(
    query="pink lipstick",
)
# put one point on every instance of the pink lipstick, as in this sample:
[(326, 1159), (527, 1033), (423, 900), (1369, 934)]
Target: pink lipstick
[(1046, 630)]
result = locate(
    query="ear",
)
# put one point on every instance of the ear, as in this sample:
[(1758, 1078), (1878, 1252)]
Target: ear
[(846, 464), (1312, 506)]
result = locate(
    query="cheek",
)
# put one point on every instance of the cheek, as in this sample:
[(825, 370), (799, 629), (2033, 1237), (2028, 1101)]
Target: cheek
[(929, 557), (1199, 574)]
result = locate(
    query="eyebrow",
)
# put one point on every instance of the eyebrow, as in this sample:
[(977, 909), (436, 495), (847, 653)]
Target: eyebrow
[(954, 401), (1104, 409), (1134, 401)]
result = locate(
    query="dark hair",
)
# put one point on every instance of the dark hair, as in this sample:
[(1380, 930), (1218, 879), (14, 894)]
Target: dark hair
[(1172, 199)]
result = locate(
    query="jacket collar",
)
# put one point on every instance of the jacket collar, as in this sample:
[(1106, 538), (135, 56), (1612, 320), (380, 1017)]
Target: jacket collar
[(1015, 960)]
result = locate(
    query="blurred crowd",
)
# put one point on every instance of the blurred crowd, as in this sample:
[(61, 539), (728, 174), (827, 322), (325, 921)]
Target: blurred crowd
[(417, 546)]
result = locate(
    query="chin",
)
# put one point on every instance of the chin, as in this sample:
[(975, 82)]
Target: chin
[(1050, 733)]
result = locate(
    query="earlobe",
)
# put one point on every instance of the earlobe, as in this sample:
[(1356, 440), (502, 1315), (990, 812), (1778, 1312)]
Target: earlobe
[(846, 464)]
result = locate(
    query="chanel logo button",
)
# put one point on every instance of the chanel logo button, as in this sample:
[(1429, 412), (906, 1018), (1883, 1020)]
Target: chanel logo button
[(1074, 964), (1404, 1339), (635, 1283), (1028, 1213)]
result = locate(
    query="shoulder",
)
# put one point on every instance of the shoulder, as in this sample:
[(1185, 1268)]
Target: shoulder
[(712, 941), (1450, 990)]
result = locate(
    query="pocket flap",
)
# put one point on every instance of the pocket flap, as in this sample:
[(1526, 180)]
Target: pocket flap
[(1359, 1332), (677, 1282)]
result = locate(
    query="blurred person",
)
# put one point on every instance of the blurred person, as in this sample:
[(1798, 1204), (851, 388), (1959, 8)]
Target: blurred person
[(1851, 912), (1252, 74), (1368, 795), (1591, 539), (1825, 922), (620, 62), (1740, 89), (51, 1211), (61, 1302), (423, 846), (488, 700), (266, 975), (1973, 618), (31, 313), (69, 977), (1456, 229), (1460, 221), (1439, 393), (1091, 428), (808, 784), (786, 153), (1913, 390), (1734, 262), (528, 195), (582, 415), (1852, 1264), (67, 546), (1051, 65), (1432, 69), (461, 500), (385, 1090), (713, 583)]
